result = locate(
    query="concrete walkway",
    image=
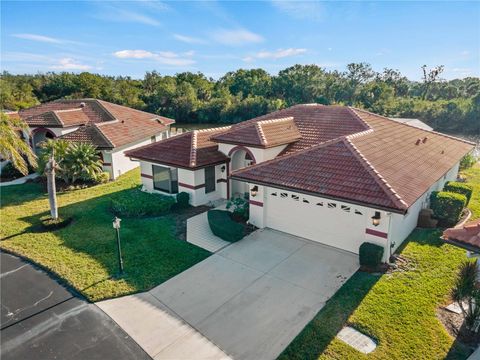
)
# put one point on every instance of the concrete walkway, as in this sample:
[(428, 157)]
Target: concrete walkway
[(200, 234), (250, 299), (19, 181)]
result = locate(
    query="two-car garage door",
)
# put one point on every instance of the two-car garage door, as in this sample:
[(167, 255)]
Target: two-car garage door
[(327, 221)]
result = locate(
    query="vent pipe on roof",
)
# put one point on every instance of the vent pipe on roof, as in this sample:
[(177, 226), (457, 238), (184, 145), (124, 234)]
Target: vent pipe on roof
[(82, 104), (418, 141), (424, 139)]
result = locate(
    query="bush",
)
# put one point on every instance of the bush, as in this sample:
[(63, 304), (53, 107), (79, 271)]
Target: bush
[(240, 207), (459, 188), (224, 227), (9, 172), (103, 177), (183, 200), (370, 255), (447, 206), (137, 203), (51, 224), (467, 162)]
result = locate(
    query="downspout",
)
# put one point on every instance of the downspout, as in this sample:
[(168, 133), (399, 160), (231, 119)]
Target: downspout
[(389, 241)]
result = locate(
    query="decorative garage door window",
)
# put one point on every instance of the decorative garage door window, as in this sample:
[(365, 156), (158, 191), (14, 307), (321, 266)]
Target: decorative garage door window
[(165, 179), (330, 205)]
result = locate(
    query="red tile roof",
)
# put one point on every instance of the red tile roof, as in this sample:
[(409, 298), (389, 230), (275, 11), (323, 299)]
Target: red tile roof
[(403, 160), (112, 125), (263, 133), (193, 149), (467, 236)]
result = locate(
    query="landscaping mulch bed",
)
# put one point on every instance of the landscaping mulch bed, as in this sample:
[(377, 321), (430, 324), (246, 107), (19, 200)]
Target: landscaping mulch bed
[(453, 323)]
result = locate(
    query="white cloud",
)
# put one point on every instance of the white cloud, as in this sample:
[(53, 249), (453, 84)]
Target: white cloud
[(236, 37), (278, 54), (70, 64), (189, 39), (300, 9), (121, 13), (164, 57), (40, 38)]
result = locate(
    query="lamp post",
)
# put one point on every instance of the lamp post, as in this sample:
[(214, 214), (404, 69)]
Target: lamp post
[(116, 226)]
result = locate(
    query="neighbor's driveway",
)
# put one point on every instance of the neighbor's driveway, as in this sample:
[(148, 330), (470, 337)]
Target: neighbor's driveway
[(250, 299), (40, 319)]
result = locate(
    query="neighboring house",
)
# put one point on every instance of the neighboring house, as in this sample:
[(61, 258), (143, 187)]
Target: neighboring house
[(332, 174), (414, 122), (466, 236), (112, 128)]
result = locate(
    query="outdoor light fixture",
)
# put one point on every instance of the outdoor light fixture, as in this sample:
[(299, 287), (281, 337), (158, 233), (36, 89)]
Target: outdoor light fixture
[(116, 226), (222, 169), (376, 218), (254, 191)]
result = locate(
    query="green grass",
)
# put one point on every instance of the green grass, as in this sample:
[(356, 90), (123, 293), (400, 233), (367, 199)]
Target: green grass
[(84, 253), (398, 309)]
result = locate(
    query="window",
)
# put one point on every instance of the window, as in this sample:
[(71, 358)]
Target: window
[(165, 179), (306, 201), (283, 195), (273, 194), (209, 179), (332, 205), (295, 197), (345, 208)]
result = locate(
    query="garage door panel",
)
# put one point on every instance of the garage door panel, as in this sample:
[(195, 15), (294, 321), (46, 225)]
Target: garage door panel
[(332, 225)]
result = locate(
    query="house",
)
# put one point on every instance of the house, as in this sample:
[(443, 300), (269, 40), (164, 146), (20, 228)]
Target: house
[(112, 128), (466, 236), (333, 174)]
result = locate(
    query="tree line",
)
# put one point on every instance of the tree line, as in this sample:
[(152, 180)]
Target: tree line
[(450, 106)]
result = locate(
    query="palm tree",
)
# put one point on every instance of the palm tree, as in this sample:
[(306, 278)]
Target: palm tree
[(12, 146), (52, 190), (467, 294)]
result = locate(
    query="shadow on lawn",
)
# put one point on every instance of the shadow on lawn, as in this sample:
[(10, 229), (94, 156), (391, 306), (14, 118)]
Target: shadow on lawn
[(151, 254), (318, 334)]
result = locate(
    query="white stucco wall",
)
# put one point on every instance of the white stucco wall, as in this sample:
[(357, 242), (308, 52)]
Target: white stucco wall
[(260, 155), (191, 182), (120, 163), (403, 225)]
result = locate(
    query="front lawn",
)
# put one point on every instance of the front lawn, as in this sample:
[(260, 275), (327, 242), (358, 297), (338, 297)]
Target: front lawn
[(84, 253), (397, 309)]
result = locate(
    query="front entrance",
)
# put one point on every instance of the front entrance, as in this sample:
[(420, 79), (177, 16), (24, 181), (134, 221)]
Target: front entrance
[(39, 136), (241, 158)]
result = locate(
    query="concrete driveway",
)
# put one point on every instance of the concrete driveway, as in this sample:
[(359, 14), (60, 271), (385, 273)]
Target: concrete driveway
[(250, 299), (40, 319)]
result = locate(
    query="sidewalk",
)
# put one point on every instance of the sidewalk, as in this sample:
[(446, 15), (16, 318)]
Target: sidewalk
[(19, 181)]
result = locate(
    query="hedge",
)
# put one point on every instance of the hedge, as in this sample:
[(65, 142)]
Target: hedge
[(137, 203), (447, 206), (224, 227), (370, 254), (459, 188)]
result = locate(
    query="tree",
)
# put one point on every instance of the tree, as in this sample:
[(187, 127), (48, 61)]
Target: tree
[(467, 294), (429, 77), (12, 146)]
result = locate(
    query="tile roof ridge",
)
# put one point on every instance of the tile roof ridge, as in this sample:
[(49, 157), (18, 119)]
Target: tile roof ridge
[(293, 154), (386, 187), (260, 133), (414, 127), (351, 110), (227, 127), (100, 104), (109, 122), (67, 110), (275, 120), (54, 115), (95, 126), (193, 148)]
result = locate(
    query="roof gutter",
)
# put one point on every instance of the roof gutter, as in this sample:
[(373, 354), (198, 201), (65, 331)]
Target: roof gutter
[(132, 158), (394, 210)]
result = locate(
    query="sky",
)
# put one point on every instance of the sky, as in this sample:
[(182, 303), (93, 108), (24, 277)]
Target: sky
[(214, 37)]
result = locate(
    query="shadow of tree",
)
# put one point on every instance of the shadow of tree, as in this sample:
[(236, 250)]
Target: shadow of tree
[(85, 253), (318, 334)]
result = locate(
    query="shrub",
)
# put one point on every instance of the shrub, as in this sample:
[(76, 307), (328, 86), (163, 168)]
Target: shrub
[(240, 207), (10, 172), (54, 224), (103, 177), (137, 203), (467, 162), (224, 227), (447, 206), (370, 254), (459, 188), (183, 200)]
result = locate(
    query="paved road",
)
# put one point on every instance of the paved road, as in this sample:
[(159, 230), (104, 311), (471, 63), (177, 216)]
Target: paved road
[(40, 319)]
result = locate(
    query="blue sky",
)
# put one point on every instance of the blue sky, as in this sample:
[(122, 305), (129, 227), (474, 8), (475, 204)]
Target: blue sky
[(132, 37)]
